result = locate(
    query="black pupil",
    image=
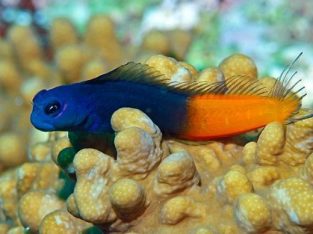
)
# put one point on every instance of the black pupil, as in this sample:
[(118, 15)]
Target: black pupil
[(52, 108)]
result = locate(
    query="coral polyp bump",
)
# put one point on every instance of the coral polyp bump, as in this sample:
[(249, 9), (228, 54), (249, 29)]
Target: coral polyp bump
[(139, 179), (180, 189)]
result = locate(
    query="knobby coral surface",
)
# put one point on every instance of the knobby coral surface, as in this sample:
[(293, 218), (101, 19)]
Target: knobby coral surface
[(147, 183), (156, 185)]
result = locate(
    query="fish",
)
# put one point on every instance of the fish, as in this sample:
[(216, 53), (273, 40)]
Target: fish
[(192, 111)]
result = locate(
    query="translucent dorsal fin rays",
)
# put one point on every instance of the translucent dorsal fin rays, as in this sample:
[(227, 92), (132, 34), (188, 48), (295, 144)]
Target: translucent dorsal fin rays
[(302, 96), (232, 86), (299, 90), (248, 90), (282, 73), (238, 87), (221, 89), (281, 84), (278, 82), (216, 88), (246, 87), (290, 66), (260, 91), (293, 120), (285, 87), (287, 92), (254, 89), (275, 92), (235, 85), (235, 81)]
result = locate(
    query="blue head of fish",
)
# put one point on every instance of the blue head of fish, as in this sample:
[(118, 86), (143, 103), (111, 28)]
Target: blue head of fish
[(60, 109)]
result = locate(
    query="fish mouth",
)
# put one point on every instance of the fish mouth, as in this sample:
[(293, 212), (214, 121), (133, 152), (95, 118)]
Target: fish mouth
[(42, 126), (45, 127)]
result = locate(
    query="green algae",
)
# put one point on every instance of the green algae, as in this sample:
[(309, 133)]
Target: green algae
[(93, 230), (66, 157), (68, 186)]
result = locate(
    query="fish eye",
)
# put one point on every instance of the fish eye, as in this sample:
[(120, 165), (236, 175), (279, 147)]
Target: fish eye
[(52, 108)]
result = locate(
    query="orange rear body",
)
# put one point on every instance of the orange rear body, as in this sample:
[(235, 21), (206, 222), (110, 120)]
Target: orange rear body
[(212, 116)]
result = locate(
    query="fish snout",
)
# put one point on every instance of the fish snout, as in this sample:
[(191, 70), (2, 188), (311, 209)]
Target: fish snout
[(37, 121), (39, 95)]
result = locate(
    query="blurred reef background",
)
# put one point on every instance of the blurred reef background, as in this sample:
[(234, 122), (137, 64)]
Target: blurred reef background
[(50, 183)]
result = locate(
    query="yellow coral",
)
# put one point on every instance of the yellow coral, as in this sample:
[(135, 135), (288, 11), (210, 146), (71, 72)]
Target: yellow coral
[(167, 185), (5, 116), (8, 196), (6, 51), (127, 198), (233, 184), (60, 221), (157, 42), (308, 168), (70, 60), (268, 82), (226, 153), (99, 28), (299, 142), (39, 69), (151, 184), (252, 213), (175, 173), (238, 65), (4, 228), (26, 45), (207, 159), (270, 144), (12, 149), (136, 152), (179, 208), (91, 191), (180, 41), (170, 68), (93, 69), (17, 230), (292, 201), (211, 75), (10, 78), (249, 153), (62, 33), (145, 146), (203, 230), (101, 36), (263, 176), (59, 144), (34, 176), (29, 89), (40, 152), (71, 205), (35, 205), (127, 117), (193, 71), (239, 168)]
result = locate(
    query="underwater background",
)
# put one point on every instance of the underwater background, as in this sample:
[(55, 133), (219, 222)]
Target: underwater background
[(137, 180)]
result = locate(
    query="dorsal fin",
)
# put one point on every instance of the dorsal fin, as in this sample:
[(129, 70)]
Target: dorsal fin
[(137, 72), (131, 71), (284, 86)]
